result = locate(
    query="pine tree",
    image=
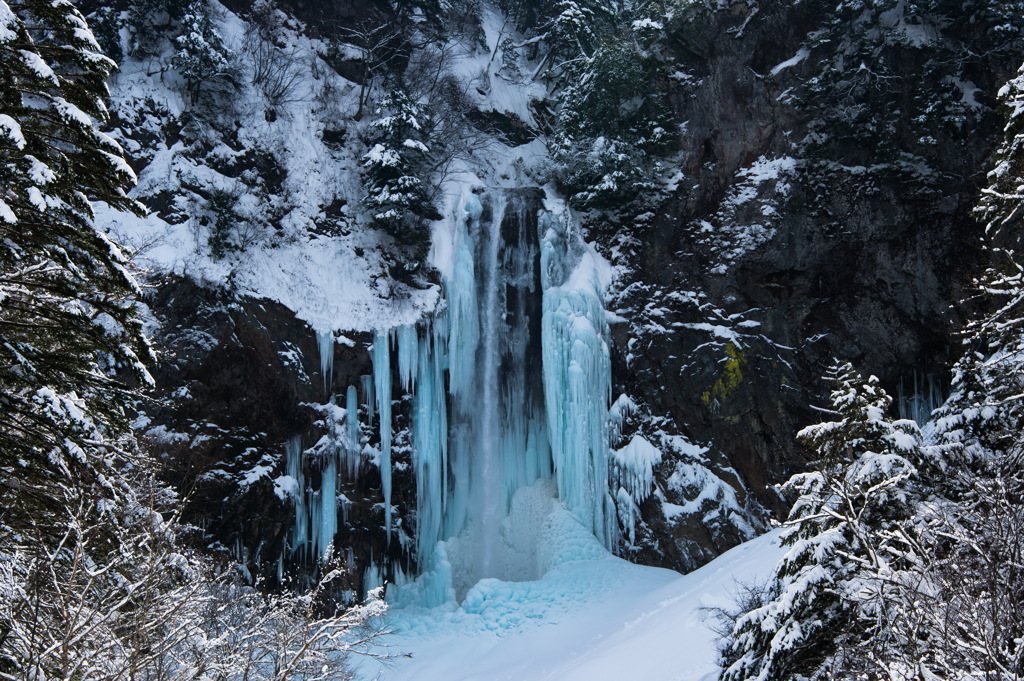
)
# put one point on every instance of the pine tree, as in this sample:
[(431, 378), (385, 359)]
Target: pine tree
[(201, 54), (983, 417), (396, 166), (573, 32), (846, 540), (612, 122), (72, 342), (1002, 202)]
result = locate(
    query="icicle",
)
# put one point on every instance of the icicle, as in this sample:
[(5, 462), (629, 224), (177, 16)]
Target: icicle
[(368, 401), (325, 342), (464, 324), (620, 409), (352, 418), (382, 385), (315, 514), (633, 468), (300, 531), (328, 505), (408, 356), (430, 446), (372, 578)]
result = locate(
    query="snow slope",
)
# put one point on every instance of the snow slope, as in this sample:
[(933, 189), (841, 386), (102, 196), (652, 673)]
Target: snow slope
[(585, 620)]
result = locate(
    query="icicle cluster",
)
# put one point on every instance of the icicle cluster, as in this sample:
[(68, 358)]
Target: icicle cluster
[(300, 531), (316, 512), (325, 343), (382, 387), (926, 394), (510, 383), (632, 472), (577, 378)]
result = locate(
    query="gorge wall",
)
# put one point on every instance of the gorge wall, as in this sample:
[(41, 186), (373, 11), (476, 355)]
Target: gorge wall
[(808, 212)]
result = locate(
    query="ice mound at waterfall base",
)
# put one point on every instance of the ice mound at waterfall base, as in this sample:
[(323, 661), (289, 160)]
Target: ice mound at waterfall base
[(590, 617)]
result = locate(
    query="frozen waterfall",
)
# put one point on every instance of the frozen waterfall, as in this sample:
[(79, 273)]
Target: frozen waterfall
[(511, 384), (507, 391)]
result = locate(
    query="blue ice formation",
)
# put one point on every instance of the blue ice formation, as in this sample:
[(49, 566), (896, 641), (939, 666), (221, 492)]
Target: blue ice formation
[(632, 472), (352, 449), (293, 464), (325, 343), (382, 388), (511, 413), (926, 394), (511, 382), (316, 511), (577, 376)]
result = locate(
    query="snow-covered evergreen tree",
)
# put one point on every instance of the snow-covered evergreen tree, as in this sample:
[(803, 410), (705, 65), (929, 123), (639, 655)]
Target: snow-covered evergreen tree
[(983, 417), (846, 536), (854, 69), (612, 123), (572, 31), (396, 167), (1002, 202), (67, 317), (72, 343), (201, 55)]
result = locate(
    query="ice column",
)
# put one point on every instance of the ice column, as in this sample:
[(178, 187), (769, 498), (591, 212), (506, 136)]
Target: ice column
[(421, 365), (328, 504), (633, 477), (408, 356), (368, 391), (487, 474), (382, 385), (352, 419), (430, 443), (325, 342), (577, 374), (463, 326), (927, 395), (464, 322), (300, 532)]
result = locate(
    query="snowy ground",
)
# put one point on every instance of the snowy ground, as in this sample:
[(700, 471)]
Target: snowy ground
[(586, 620)]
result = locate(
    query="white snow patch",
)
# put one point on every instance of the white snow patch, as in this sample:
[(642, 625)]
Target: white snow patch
[(801, 54), (599, 619)]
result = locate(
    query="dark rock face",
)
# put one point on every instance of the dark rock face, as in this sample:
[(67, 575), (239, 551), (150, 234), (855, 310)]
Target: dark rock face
[(784, 240), (775, 253), (236, 380)]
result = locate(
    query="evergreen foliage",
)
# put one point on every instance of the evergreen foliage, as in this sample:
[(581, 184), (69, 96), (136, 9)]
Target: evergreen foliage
[(1002, 202), (106, 25), (573, 30), (927, 583), (94, 580), (72, 338), (847, 539), (982, 418), (397, 166), (612, 123), (222, 205), (887, 76), (72, 342), (201, 55)]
